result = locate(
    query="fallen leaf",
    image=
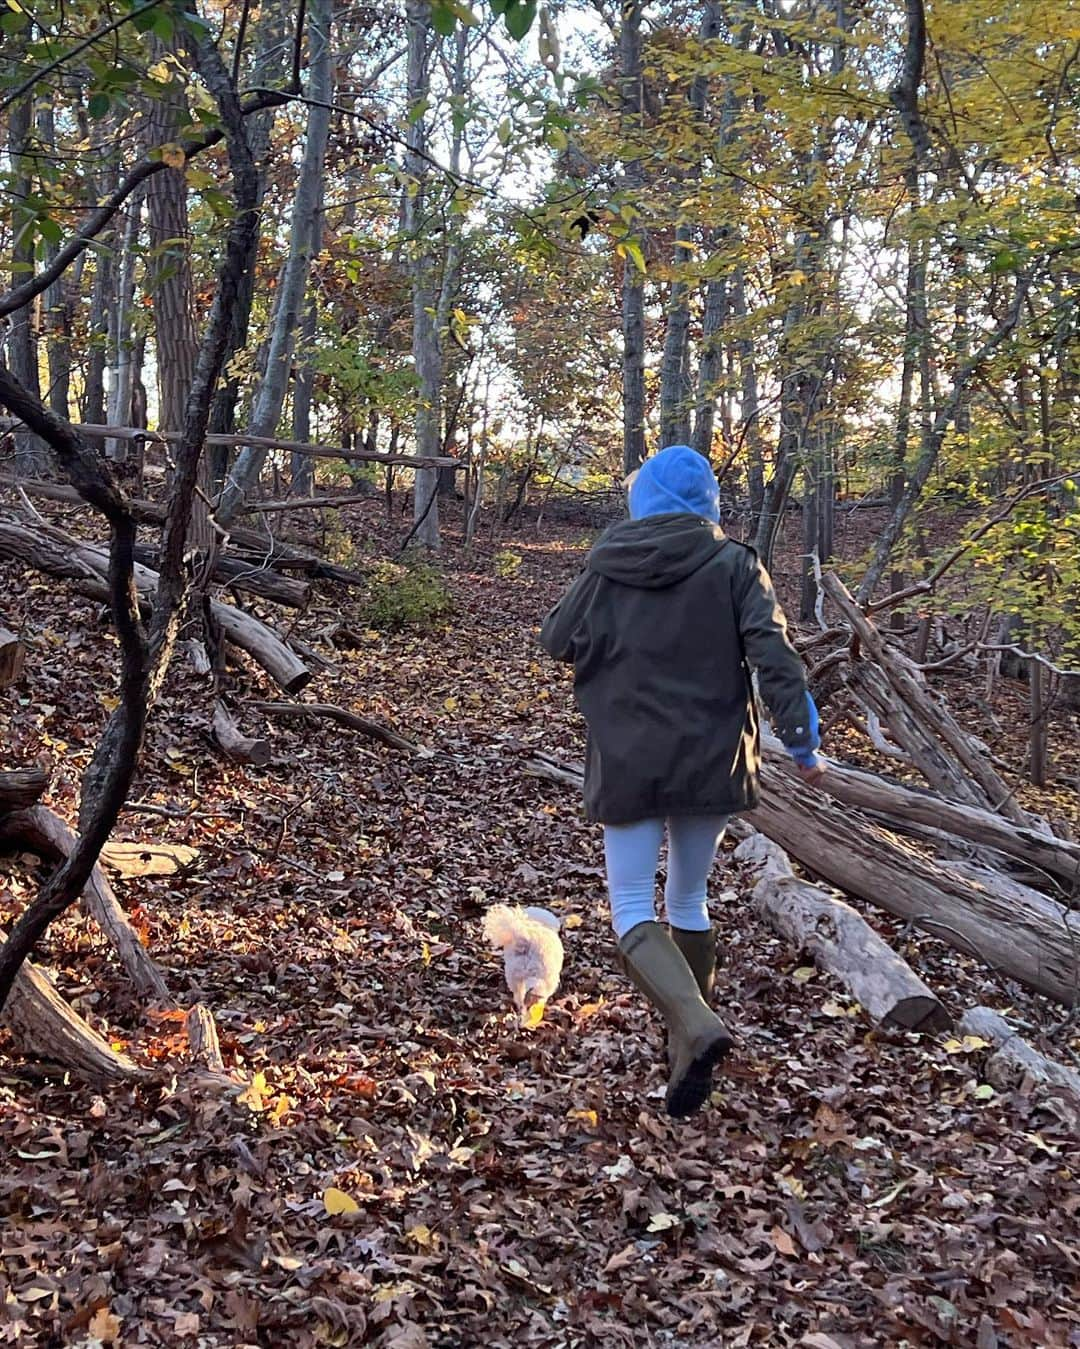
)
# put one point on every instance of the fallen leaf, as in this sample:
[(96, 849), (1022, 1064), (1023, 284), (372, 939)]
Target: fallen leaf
[(336, 1201), (663, 1222), (104, 1326), (782, 1241)]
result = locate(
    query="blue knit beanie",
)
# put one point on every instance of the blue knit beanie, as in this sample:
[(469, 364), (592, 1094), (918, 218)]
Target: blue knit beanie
[(678, 479)]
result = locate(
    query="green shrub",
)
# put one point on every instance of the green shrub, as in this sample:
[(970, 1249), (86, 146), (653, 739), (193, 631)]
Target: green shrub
[(409, 595), (506, 562)]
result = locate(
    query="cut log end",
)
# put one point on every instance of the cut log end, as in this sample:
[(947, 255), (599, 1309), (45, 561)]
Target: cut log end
[(12, 658), (922, 1014), (234, 744)]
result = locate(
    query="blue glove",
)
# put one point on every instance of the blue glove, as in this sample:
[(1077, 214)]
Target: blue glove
[(806, 755)]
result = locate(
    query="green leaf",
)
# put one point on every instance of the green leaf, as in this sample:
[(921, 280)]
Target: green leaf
[(557, 138), (98, 104), (442, 19), (520, 19), (505, 131), (636, 255), (49, 230)]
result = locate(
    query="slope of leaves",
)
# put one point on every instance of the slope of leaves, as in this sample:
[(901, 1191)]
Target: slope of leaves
[(407, 1168)]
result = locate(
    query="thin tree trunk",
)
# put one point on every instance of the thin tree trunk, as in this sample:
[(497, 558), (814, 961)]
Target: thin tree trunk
[(308, 201), (633, 286), (303, 465), (170, 280), (676, 397), (427, 359), (268, 69), (31, 456), (56, 303), (121, 367)]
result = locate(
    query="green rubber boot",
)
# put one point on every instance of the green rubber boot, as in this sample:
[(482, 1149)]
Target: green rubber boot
[(699, 950), (697, 1038)]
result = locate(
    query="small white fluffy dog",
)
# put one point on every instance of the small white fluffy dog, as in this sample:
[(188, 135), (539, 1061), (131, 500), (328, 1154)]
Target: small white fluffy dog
[(532, 956)]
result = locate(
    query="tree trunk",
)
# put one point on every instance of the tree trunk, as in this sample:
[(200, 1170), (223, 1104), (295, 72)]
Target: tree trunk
[(419, 227), (633, 284), (12, 658), (31, 455), (121, 365), (1016, 1065), (234, 744), (290, 295), (170, 282), (302, 478), (840, 941), (268, 70), (56, 305)]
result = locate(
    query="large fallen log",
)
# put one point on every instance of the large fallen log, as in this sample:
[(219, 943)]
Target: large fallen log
[(41, 831), (1008, 926), (1023, 933), (84, 565), (249, 577), (264, 550), (1015, 1063), (897, 806), (840, 941), (21, 788), (43, 1026), (234, 744)]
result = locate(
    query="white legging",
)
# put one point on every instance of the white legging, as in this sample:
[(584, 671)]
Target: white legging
[(632, 852)]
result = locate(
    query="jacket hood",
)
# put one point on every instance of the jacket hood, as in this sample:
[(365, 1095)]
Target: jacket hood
[(657, 552), (678, 479)]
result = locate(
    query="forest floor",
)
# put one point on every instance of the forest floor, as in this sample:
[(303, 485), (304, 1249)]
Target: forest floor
[(846, 1188)]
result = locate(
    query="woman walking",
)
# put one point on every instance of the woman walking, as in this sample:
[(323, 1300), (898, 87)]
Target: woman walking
[(663, 629)]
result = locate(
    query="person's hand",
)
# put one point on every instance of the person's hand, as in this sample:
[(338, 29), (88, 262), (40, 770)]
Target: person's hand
[(813, 772)]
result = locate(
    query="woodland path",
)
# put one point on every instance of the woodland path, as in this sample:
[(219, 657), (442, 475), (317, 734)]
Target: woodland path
[(846, 1189)]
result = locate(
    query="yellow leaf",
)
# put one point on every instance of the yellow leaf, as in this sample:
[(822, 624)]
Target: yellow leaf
[(254, 1094), (451, 704), (173, 155), (662, 1222), (588, 1117), (534, 1014), (804, 973), (336, 1201), (160, 72), (588, 1009), (793, 1185), (572, 920), (108, 701), (422, 1236)]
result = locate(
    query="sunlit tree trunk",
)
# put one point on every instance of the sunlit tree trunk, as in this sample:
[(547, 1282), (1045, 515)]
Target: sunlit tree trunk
[(307, 204), (633, 286), (419, 226)]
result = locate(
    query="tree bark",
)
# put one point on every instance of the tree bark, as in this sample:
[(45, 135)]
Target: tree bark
[(31, 454), (840, 942), (235, 744), (633, 284), (12, 658), (1015, 1064), (273, 387)]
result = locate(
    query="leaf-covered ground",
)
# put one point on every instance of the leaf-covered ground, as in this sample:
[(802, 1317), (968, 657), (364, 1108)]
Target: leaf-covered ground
[(407, 1166)]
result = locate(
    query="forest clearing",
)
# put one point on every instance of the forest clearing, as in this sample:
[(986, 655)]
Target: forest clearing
[(356, 361)]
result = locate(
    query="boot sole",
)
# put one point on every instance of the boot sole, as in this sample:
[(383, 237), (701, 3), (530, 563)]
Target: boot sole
[(695, 1086)]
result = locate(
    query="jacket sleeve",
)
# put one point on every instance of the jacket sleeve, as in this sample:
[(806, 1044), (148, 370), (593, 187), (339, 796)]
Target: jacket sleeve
[(780, 671), (565, 622)]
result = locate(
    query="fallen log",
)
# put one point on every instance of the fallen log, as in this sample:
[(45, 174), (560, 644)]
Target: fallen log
[(1027, 935), (84, 565), (840, 942), (896, 689), (21, 788), (234, 744), (898, 805), (43, 1026), (12, 658), (254, 579), (1015, 1062), (1008, 926), (374, 730), (263, 548), (42, 832)]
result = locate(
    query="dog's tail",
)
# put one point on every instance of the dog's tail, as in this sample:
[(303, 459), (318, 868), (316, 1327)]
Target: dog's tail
[(504, 925)]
